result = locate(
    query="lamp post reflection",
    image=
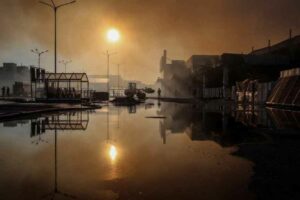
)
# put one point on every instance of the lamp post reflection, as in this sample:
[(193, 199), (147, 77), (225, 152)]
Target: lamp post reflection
[(70, 121)]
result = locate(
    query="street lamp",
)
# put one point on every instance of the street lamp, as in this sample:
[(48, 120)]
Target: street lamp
[(118, 76), (108, 57), (39, 53), (113, 36), (55, 8), (65, 63)]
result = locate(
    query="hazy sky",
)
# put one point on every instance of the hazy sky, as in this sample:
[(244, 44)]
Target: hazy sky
[(183, 27)]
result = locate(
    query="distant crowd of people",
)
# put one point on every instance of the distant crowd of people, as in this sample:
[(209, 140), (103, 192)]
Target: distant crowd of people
[(5, 91), (63, 93)]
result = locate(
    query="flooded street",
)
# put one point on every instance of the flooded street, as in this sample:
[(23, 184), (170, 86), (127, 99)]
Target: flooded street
[(151, 151)]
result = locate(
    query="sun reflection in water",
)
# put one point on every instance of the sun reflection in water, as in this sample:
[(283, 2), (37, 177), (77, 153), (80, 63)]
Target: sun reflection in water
[(113, 153)]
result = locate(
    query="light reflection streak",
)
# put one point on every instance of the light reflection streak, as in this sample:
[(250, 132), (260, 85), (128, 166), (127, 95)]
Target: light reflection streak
[(113, 153)]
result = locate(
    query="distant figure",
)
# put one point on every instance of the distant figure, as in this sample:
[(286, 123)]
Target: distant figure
[(74, 92), (7, 91), (159, 92), (3, 91)]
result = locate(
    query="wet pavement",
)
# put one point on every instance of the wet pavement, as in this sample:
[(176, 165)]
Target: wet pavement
[(13, 110), (157, 150)]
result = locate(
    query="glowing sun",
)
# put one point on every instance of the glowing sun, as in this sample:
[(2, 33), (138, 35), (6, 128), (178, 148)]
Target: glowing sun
[(113, 35)]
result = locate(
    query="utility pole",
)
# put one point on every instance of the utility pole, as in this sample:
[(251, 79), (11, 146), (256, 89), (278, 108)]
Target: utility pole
[(118, 76), (55, 8), (39, 53), (107, 54), (65, 63)]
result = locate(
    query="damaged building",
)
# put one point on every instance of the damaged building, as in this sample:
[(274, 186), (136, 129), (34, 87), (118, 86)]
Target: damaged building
[(244, 78)]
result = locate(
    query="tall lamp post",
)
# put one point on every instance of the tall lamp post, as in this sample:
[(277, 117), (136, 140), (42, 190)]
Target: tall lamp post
[(65, 63), (55, 8), (107, 54), (39, 53), (112, 36), (118, 76)]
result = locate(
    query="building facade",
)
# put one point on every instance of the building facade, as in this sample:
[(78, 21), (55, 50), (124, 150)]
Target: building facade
[(230, 75), (10, 73), (175, 81)]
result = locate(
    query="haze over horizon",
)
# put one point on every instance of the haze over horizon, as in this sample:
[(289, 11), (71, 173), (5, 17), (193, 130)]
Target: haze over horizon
[(183, 27)]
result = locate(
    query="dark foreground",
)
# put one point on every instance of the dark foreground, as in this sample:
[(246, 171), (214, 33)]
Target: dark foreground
[(156, 150), (13, 110)]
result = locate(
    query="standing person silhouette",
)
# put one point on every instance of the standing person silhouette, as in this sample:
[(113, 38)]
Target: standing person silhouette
[(3, 91), (7, 91), (159, 92)]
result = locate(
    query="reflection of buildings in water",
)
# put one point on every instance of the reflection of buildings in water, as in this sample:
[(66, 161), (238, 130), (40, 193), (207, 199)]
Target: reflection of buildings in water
[(177, 116), (77, 120), (284, 119), (10, 124), (68, 121), (269, 118), (37, 129), (205, 123), (62, 121), (177, 119), (131, 109), (252, 116), (149, 105), (15, 123)]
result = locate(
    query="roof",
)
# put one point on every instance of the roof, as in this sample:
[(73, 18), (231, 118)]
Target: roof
[(279, 46), (67, 77), (195, 58), (200, 61)]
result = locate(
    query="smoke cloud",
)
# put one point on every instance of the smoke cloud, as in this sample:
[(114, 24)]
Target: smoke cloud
[(183, 27)]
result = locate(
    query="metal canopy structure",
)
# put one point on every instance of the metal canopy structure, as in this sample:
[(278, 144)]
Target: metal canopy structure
[(80, 77), (66, 86)]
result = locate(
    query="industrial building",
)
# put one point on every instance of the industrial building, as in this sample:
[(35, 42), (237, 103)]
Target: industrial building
[(16, 78), (244, 78), (176, 82), (37, 84), (199, 65)]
